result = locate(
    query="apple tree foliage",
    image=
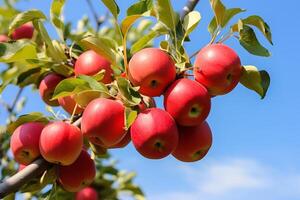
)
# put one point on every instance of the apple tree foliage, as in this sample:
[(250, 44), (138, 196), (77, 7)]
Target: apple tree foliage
[(27, 62)]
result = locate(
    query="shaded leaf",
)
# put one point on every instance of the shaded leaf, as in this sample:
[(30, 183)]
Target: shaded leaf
[(31, 117), (130, 116), (139, 7), (55, 15), (249, 41), (255, 80), (165, 13), (190, 22), (130, 95), (25, 17)]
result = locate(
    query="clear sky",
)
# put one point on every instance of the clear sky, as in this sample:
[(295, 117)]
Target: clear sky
[(255, 154)]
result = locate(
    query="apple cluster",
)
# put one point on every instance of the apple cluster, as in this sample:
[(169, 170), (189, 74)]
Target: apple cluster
[(179, 129)]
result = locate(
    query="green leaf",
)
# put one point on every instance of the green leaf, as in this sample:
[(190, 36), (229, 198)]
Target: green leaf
[(7, 12), (130, 116), (249, 41), (94, 84), (166, 14), (25, 17), (31, 117), (130, 95), (190, 22), (229, 14), (17, 51), (69, 86), (258, 22), (55, 15), (53, 52), (140, 7), (100, 46), (158, 30), (255, 80), (112, 7), (219, 11), (62, 69), (29, 77)]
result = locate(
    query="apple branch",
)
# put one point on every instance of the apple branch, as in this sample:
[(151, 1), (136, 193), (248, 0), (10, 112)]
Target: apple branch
[(189, 7), (15, 182)]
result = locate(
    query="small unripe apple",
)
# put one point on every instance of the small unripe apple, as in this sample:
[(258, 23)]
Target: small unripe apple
[(68, 104), (218, 68), (79, 174), (87, 193), (90, 63), (61, 143), (103, 122), (152, 70), (47, 87), (3, 38), (187, 101), (25, 31), (24, 142), (154, 133), (194, 142)]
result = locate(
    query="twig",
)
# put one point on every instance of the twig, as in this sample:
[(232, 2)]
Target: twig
[(16, 100), (96, 17), (189, 7)]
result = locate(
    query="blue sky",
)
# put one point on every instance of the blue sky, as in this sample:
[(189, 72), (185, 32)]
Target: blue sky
[(255, 154)]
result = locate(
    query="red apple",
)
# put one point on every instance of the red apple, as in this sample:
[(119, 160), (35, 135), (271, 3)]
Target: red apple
[(218, 68), (87, 193), (61, 143), (90, 63), (154, 133), (24, 142), (103, 122), (68, 104), (47, 87), (194, 142), (187, 101), (79, 174), (124, 142), (153, 70), (25, 31), (3, 38), (21, 167)]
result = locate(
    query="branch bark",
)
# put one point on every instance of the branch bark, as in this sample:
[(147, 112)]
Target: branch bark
[(15, 182), (189, 7)]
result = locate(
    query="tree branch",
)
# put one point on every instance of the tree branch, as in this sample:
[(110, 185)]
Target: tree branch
[(13, 105), (189, 7), (15, 182)]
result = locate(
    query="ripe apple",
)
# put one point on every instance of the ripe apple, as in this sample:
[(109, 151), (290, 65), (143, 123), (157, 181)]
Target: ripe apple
[(218, 68), (79, 174), (187, 101), (61, 143), (103, 122), (90, 63), (47, 87), (124, 142), (68, 104), (194, 142), (87, 193), (25, 31), (153, 70), (3, 38), (24, 142), (154, 133), (21, 167)]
